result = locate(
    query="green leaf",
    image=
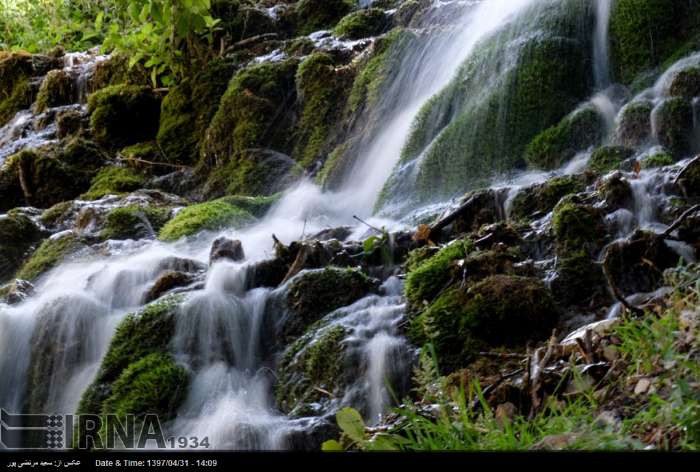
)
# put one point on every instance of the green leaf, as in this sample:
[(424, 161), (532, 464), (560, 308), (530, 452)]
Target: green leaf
[(351, 423), (331, 446)]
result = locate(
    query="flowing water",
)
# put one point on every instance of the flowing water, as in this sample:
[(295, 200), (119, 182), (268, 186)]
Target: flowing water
[(223, 331)]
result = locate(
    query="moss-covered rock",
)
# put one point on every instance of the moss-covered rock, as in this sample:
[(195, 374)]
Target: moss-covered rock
[(316, 361), (362, 24), (501, 310), (690, 179), (213, 215), (317, 293), (607, 158), (674, 125), (576, 225), (256, 206), (686, 83), (617, 191), (254, 112), (52, 252), (58, 88), (542, 198), (239, 21), (633, 127), (188, 109), (122, 115), (70, 123), (134, 222), (643, 33), (322, 89), (116, 71), (660, 158), (16, 93), (57, 214), (315, 15), (428, 278), (17, 234), (113, 181), (137, 375), (559, 144)]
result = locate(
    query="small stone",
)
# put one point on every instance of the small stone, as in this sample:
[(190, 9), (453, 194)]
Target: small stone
[(505, 412), (19, 291), (643, 386), (611, 353), (224, 248), (166, 282)]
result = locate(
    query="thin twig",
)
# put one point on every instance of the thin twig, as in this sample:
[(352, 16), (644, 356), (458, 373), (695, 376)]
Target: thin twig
[(674, 226), (367, 224)]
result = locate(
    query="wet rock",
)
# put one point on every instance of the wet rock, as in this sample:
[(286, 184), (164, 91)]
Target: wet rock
[(18, 291), (134, 222), (501, 310), (58, 88), (224, 248), (180, 264), (70, 123), (50, 253), (616, 191), (540, 199), (686, 83), (689, 178), (479, 208), (17, 234), (317, 293), (362, 24), (633, 127), (637, 264), (208, 216), (607, 158), (497, 234), (341, 234), (166, 282), (674, 125)]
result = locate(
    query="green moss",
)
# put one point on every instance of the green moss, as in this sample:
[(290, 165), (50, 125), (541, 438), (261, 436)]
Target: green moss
[(137, 375), (315, 15), (151, 385), (634, 124), (322, 91), (56, 213), (426, 280), (659, 159), (607, 158), (256, 206), (499, 311), (557, 145), (116, 71), (316, 361), (362, 24), (121, 115), (134, 222), (686, 83), (318, 293), (57, 89), (674, 125), (239, 21), (15, 91), (544, 197), (17, 234), (577, 226), (113, 181), (254, 112), (643, 33), (188, 109), (51, 253), (212, 215), (578, 279)]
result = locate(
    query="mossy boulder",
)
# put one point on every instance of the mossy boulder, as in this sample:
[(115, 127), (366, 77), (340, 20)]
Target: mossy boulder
[(134, 222), (644, 33), (617, 191), (17, 234), (44, 177), (501, 310), (607, 158), (116, 71), (315, 15), (58, 88), (322, 90), (121, 115), (686, 83), (577, 225), (690, 179), (212, 216), (362, 24), (256, 206), (317, 360), (254, 112), (138, 375), (659, 158), (540, 199), (317, 293), (113, 181), (188, 109), (70, 123), (559, 144), (239, 21), (57, 214), (674, 121), (16, 92), (427, 278), (52, 252), (633, 126)]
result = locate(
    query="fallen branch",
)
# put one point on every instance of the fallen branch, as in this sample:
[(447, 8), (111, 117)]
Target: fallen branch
[(685, 169), (247, 42), (674, 226), (367, 224)]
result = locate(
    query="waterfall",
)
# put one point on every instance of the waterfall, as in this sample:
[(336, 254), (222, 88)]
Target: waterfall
[(601, 44)]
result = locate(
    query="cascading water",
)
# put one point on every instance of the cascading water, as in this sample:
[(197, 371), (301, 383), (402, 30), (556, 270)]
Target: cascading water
[(225, 334)]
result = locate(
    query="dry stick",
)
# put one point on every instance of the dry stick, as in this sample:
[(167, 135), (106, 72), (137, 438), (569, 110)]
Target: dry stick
[(674, 226), (616, 290), (367, 224), (298, 264)]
